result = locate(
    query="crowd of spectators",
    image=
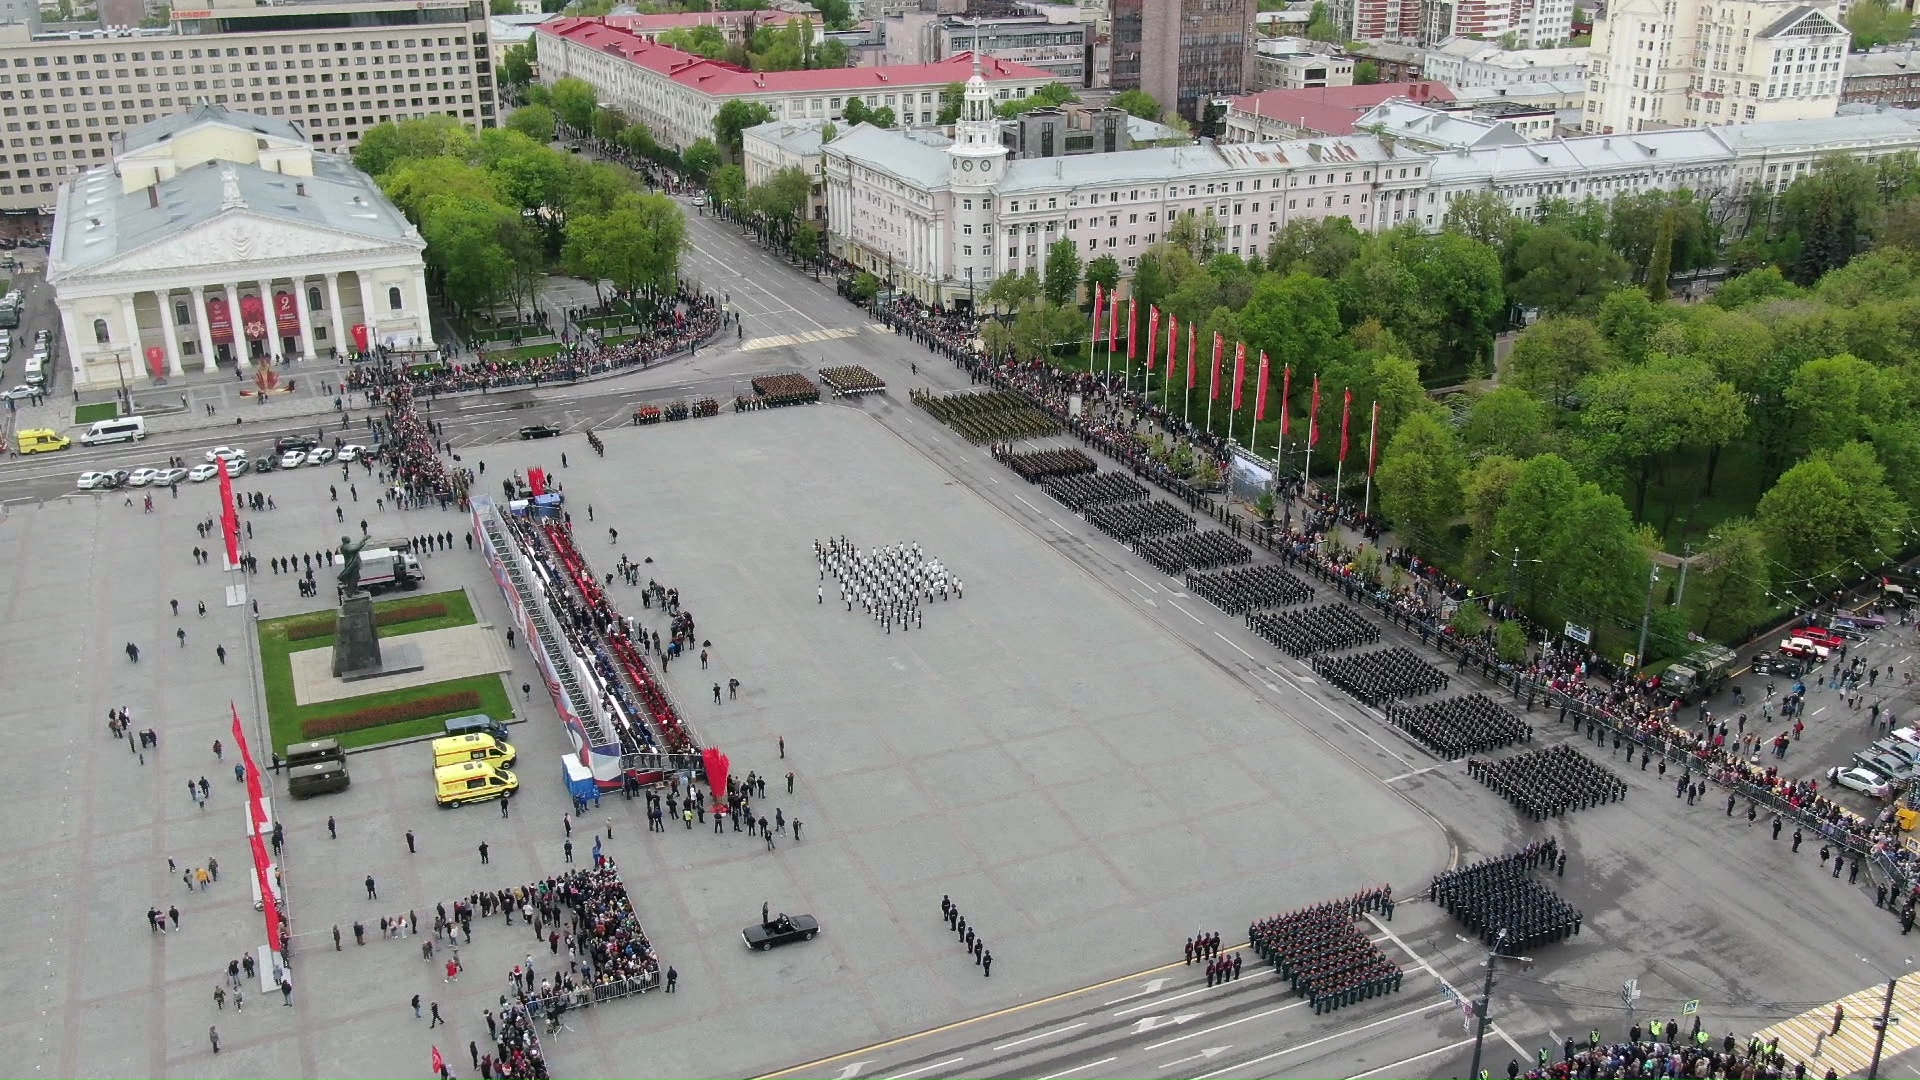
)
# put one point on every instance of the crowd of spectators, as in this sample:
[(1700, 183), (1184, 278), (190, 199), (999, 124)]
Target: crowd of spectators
[(609, 953)]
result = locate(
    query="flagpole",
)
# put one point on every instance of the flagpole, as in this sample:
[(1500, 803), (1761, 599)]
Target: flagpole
[(1373, 435)]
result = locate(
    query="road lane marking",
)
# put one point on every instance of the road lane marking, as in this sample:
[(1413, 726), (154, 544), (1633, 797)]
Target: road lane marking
[(1414, 773), (1327, 1038), (1042, 1035), (1236, 647), (1185, 612), (1152, 987), (1150, 585), (1028, 505), (1082, 1068), (1414, 1058), (927, 1069)]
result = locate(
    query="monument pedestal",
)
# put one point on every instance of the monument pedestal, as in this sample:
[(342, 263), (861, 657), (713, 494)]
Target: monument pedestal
[(356, 645)]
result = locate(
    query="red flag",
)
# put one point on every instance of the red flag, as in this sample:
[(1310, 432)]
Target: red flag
[(439, 1063), (1373, 441), (1213, 388), (1313, 416), (229, 516), (1286, 393), (1346, 417), (1113, 323), (1239, 372), (1193, 346), (1153, 332), (256, 829), (1173, 345), (1130, 326), (1260, 391), (1098, 297)]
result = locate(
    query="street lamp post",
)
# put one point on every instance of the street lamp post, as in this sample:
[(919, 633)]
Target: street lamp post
[(1486, 997)]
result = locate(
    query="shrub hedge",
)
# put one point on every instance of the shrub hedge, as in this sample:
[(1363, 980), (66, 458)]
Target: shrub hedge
[(320, 727), (322, 623)]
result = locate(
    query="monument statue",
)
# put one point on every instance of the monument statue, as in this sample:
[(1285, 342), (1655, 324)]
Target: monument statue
[(350, 563)]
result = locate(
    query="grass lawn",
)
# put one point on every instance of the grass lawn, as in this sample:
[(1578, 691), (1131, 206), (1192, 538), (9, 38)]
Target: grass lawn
[(287, 720), (609, 322), (524, 352), (620, 339), (1677, 507), (103, 410)]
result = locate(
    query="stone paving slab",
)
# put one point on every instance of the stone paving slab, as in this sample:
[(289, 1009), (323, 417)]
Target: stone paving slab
[(456, 652)]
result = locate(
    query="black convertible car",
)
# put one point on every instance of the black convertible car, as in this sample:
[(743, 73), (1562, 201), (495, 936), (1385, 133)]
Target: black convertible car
[(783, 929), (539, 431)]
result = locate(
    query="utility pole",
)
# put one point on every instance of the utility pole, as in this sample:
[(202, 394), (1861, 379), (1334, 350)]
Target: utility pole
[(1880, 1030), (1686, 559), (1646, 616), (1486, 998)]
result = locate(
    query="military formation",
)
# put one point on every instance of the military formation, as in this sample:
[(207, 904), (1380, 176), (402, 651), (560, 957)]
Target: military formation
[(1079, 492), (1323, 956), (1500, 894), (1551, 782), (1174, 554), (1249, 589), (889, 584), (1458, 726), (1375, 678), (1127, 522), (1314, 630), (1041, 465)]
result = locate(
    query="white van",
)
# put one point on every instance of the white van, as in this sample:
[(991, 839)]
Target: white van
[(36, 374), (125, 429)]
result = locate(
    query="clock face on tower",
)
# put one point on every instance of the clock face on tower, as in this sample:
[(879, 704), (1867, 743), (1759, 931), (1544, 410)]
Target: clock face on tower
[(986, 165), (967, 164)]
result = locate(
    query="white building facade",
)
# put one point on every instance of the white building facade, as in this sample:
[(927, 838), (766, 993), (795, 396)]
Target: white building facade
[(1463, 63), (786, 144), (223, 239), (1697, 63)]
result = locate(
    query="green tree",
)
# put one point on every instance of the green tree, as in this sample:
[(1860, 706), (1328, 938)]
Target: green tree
[(705, 40), (1635, 416), (463, 238), (1765, 283), (1137, 103), (1563, 276), (385, 145), (1104, 271), (1366, 73), (574, 101), (1830, 212), (1295, 320), (416, 182), (953, 99), (1419, 481), (1551, 357), (1013, 291), (516, 64), (1510, 641), (608, 124), (1730, 579), (1048, 96), (1599, 565), (1830, 509), (1485, 216), (1505, 421), (883, 117), (838, 14), (1063, 272), (832, 54), (636, 245), (1483, 492), (729, 188), (1628, 320), (1877, 22), (700, 158), (1041, 327), (734, 117), (1320, 25), (783, 200), (1323, 247), (806, 242), (1527, 521), (533, 121), (1199, 236), (1836, 400)]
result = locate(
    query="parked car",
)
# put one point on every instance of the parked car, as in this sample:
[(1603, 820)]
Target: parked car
[(18, 393), (265, 464), (350, 452), (539, 431), (201, 473), (293, 442), (236, 467), (293, 459), (319, 455), (782, 930), (169, 477), (142, 477), (95, 481), (225, 453), (1861, 780), (1894, 770)]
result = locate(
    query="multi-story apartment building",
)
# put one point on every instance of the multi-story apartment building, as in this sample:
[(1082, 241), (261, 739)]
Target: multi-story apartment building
[(1294, 64), (1694, 63), (1333, 110), (1183, 52), (1054, 39), (336, 68), (1464, 62), (677, 94), (1882, 78), (787, 144)]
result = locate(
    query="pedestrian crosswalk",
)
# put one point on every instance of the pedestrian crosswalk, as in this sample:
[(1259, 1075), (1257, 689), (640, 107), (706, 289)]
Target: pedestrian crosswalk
[(1810, 1037), (782, 340)]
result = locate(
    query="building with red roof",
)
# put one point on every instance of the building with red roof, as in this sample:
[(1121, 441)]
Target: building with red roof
[(677, 94), (1306, 114)]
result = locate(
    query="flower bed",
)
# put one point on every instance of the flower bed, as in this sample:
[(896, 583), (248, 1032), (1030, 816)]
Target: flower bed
[(320, 727), (851, 379), (322, 623), (791, 388)]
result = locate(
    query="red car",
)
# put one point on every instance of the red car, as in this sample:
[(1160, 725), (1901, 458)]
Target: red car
[(1821, 636)]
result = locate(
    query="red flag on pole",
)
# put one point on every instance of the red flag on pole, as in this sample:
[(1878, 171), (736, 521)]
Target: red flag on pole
[(1286, 409), (1099, 298), (1130, 326), (256, 828), (439, 1063), (1260, 391), (1373, 441), (1153, 332), (1193, 346), (1173, 345), (1313, 416), (1346, 417), (1239, 372), (1113, 322), (1213, 388), (229, 516)]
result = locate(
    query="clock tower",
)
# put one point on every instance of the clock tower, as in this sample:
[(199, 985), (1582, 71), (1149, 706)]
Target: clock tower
[(975, 163)]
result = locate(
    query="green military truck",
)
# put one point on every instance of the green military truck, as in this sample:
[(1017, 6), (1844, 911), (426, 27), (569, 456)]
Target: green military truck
[(1699, 674)]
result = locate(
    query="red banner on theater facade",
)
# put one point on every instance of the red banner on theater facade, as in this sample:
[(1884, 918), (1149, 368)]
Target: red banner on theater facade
[(253, 318), (157, 360), (286, 311), (361, 337), (219, 321)]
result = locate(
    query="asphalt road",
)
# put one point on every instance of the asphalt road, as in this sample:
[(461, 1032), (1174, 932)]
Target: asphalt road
[(1692, 904)]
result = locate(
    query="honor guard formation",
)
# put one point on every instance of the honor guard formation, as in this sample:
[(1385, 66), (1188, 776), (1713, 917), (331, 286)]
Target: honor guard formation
[(1127, 522), (1192, 551), (1041, 466), (1249, 589), (1551, 782), (889, 583), (1497, 894), (1314, 630), (1079, 492), (1375, 678), (1323, 956), (1458, 726)]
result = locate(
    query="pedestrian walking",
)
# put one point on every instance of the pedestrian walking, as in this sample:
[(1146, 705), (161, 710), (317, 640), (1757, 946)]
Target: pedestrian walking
[(213, 1036)]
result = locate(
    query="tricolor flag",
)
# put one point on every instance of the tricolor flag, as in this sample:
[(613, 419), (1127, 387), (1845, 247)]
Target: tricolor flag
[(1239, 372), (1260, 391)]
